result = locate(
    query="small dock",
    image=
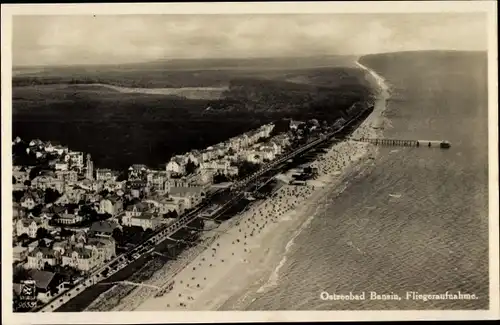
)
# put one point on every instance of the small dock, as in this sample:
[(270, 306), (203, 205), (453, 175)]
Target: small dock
[(406, 143)]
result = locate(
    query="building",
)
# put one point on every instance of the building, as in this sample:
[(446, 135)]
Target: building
[(30, 226), (92, 186), (69, 219), (137, 171), (145, 220), (63, 200), (105, 174), (267, 153), (68, 176), (103, 228), (46, 284), (75, 159), (112, 204), (40, 256), (60, 247), (89, 172), (81, 258), (176, 165), (31, 199), (105, 248), (191, 196), (18, 211), (21, 174), (74, 195), (156, 179), (61, 165), (44, 182), (254, 157), (165, 205), (19, 253)]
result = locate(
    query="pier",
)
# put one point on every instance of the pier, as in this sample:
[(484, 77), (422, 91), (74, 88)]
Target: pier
[(406, 143)]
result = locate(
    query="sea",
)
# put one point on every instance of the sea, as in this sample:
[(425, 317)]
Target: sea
[(414, 220)]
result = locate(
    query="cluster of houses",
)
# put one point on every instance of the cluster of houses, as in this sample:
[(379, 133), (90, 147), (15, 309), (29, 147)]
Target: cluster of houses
[(254, 146), (47, 259), (146, 199)]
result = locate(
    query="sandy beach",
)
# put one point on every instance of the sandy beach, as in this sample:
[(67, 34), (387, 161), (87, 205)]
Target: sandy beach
[(242, 252)]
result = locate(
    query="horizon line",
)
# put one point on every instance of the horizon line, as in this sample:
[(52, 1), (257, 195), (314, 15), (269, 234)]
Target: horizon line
[(236, 58)]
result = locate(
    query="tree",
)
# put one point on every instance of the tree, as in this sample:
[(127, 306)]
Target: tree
[(23, 237), (54, 290), (37, 210), (17, 195), (48, 267), (190, 167), (65, 232), (171, 214), (117, 235), (34, 172), (84, 210), (220, 178), (41, 233), (123, 176), (42, 243), (148, 232), (51, 195), (247, 168)]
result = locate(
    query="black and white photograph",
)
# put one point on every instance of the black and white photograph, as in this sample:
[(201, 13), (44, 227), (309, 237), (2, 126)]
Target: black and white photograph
[(325, 161)]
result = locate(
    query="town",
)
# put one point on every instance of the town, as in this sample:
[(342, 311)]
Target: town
[(70, 219)]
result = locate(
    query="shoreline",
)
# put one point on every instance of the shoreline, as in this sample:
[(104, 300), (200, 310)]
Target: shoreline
[(242, 261)]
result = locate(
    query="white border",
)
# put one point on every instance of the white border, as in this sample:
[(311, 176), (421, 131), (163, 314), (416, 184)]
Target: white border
[(246, 8)]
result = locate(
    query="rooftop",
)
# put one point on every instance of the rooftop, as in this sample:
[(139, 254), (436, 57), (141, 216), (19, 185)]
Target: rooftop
[(104, 226), (42, 278)]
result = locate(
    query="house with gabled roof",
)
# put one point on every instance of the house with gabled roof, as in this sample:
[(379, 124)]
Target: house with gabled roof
[(105, 247), (137, 209), (176, 165), (39, 256), (137, 171), (30, 226), (191, 196), (112, 204), (45, 282), (103, 228), (165, 204), (145, 220), (81, 258), (69, 218), (31, 199)]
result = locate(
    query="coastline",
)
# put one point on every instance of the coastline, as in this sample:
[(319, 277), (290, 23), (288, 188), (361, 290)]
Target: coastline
[(246, 258)]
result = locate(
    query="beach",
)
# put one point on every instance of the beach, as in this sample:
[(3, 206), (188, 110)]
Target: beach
[(243, 251)]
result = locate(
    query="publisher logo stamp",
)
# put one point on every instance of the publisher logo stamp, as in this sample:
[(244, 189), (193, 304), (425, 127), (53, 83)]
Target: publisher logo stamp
[(28, 290)]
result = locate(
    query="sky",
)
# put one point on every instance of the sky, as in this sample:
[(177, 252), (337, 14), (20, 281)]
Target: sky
[(68, 40)]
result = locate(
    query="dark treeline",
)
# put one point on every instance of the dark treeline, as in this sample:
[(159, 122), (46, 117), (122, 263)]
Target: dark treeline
[(302, 101)]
